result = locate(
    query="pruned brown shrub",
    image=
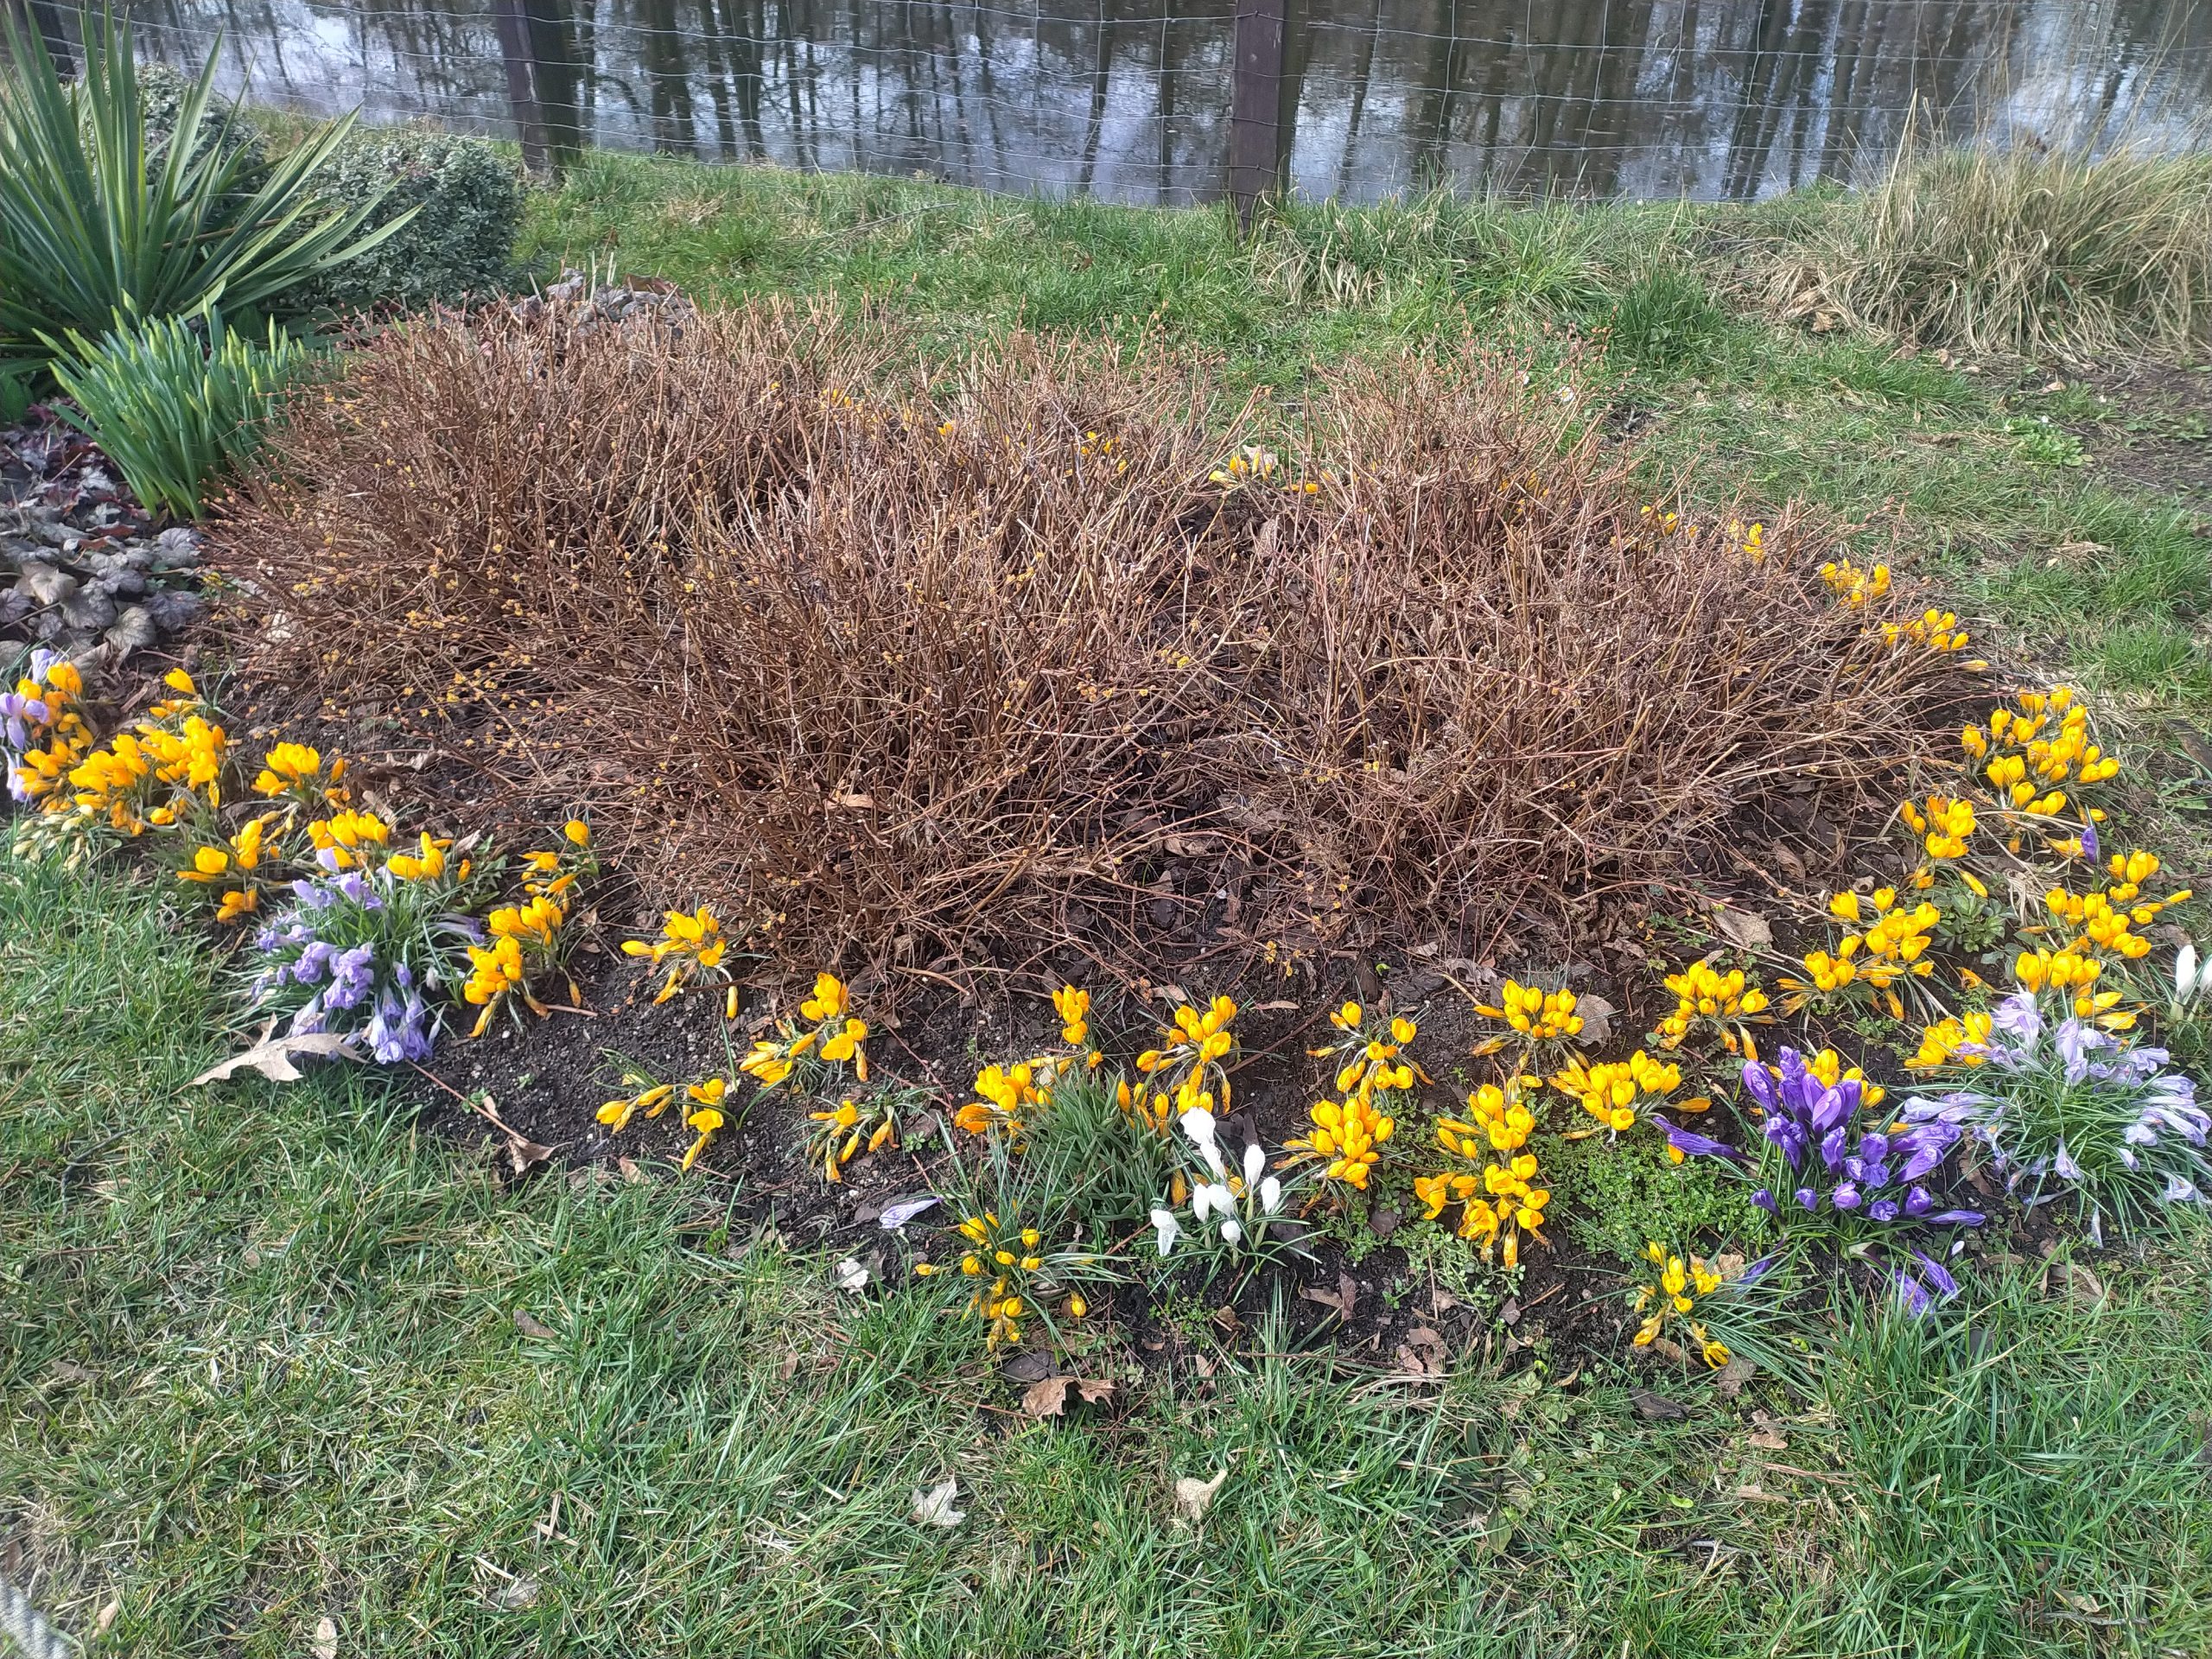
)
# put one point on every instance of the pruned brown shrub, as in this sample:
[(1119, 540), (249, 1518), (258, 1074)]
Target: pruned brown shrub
[(881, 655)]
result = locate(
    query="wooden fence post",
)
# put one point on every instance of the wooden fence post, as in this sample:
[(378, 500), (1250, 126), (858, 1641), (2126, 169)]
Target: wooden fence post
[(1255, 105)]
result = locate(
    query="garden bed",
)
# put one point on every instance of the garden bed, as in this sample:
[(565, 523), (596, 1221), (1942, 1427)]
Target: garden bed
[(1438, 702)]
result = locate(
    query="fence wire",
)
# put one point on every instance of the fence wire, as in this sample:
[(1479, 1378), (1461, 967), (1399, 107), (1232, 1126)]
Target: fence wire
[(1130, 100)]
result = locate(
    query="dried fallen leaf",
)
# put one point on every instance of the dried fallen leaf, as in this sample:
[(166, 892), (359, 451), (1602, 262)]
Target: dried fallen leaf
[(522, 1151), (1046, 1397), (106, 1618), (68, 1370), (515, 1594), (1340, 1302), (1768, 1440), (1194, 1497), (1728, 1382), (1596, 1020), (272, 1056), (630, 1172), (326, 1637), (1745, 929), (851, 1275), (2081, 1285), (934, 1508), (531, 1326), (1656, 1406)]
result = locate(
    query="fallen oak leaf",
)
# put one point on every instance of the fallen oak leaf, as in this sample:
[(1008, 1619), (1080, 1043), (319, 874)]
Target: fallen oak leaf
[(1194, 1497), (522, 1151), (1046, 1397), (1340, 1302), (1597, 1020), (272, 1056), (934, 1508), (1745, 929), (1728, 1382)]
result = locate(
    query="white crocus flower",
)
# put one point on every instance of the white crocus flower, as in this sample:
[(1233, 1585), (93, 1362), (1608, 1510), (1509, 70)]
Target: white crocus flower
[(1212, 1196), (1231, 1232), (2185, 972), (1198, 1123), (1254, 1161), (1170, 1229), (1271, 1195)]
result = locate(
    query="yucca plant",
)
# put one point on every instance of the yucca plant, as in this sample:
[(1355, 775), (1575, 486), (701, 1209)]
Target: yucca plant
[(173, 401), (96, 223)]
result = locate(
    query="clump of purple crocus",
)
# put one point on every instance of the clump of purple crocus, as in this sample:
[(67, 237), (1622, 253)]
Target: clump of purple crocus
[(1827, 1166), (2065, 1107), (329, 958), (24, 720)]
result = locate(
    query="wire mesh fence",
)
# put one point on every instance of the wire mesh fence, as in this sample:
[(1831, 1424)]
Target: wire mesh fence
[(1136, 100)]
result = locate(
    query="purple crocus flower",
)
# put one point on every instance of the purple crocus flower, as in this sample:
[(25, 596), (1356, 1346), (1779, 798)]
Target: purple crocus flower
[(355, 886), (1936, 1274), (1911, 1294), (1926, 1146), (1764, 1198), (399, 1030), (352, 975), (2089, 843), (1693, 1145), (1758, 1084)]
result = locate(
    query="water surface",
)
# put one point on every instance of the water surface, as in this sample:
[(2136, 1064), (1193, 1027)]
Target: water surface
[(1130, 99)]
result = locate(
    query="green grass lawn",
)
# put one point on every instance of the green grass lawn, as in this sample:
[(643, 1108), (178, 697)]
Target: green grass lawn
[(264, 1368), (278, 1356)]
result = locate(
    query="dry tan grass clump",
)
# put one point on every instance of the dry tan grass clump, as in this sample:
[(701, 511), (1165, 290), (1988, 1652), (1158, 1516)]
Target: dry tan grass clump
[(908, 659), (2060, 253)]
